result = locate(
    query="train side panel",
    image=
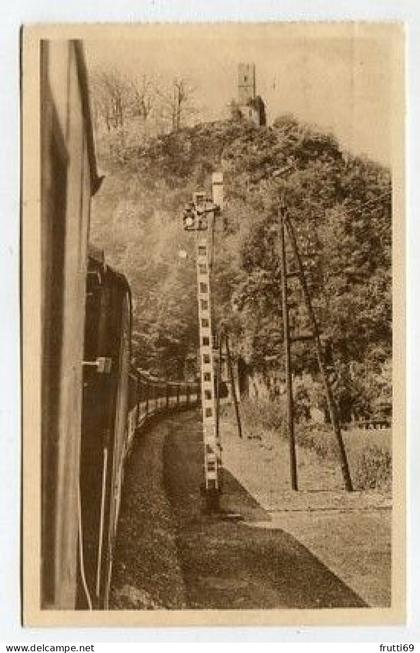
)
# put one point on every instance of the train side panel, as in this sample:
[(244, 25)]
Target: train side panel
[(66, 187)]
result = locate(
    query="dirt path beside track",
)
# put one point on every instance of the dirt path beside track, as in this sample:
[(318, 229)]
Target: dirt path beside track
[(230, 564), (349, 532)]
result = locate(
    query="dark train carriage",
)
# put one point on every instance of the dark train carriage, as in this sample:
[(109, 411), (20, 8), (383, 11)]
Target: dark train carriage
[(68, 180), (92, 401), (104, 424)]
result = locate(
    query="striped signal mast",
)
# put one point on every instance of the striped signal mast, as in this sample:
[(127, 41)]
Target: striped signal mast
[(199, 216)]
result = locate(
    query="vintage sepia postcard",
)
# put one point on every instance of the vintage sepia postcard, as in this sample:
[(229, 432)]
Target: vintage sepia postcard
[(213, 324)]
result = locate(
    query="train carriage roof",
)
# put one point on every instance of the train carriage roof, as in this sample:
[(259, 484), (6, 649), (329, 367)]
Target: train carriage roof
[(87, 114)]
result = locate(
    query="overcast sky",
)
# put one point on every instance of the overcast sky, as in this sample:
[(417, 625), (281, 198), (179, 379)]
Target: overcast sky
[(338, 76)]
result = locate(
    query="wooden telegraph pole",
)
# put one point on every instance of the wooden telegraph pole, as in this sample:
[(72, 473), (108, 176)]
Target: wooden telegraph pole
[(319, 355), (218, 385), (287, 354), (233, 386)]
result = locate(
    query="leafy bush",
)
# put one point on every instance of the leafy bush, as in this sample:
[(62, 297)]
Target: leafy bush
[(373, 469), (318, 437), (263, 415), (368, 452)]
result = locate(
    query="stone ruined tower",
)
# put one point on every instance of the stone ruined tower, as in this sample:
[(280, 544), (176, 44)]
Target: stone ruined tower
[(246, 83), (250, 105)]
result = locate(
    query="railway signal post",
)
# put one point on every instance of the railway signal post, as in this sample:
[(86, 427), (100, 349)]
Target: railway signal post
[(199, 216)]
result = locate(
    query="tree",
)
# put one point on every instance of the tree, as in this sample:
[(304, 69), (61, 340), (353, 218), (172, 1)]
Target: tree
[(110, 92), (340, 206), (142, 97), (177, 103)]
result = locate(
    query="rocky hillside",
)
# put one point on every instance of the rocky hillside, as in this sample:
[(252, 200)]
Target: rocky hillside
[(340, 206)]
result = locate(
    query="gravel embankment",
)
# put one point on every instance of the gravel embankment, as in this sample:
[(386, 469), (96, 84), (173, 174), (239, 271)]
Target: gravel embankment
[(146, 572)]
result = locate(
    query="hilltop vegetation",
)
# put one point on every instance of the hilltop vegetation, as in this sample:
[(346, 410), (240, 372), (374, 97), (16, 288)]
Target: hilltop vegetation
[(340, 206)]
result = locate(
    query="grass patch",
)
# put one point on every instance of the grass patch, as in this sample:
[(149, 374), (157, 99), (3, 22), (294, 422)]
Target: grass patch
[(368, 451)]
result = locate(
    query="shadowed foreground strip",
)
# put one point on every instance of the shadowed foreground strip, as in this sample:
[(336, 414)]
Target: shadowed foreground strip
[(188, 559), (228, 564)]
